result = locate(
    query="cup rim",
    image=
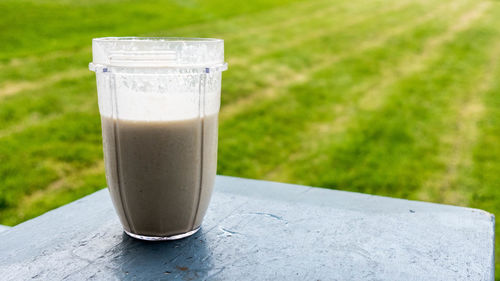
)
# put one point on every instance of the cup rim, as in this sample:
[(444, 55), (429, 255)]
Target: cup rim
[(158, 39)]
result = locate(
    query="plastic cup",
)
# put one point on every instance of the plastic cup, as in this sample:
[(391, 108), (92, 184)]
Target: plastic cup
[(159, 100)]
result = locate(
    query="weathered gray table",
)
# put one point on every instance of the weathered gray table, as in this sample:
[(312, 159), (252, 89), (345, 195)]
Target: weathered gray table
[(257, 230)]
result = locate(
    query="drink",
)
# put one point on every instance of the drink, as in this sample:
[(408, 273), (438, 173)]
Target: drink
[(159, 100), (160, 173)]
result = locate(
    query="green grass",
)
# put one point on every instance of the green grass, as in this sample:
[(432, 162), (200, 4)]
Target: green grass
[(400, 100)]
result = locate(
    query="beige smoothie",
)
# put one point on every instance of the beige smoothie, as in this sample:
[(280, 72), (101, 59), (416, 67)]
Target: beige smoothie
[(160, 173)]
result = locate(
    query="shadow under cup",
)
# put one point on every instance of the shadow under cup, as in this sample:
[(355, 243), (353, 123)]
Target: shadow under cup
[(159, 100)]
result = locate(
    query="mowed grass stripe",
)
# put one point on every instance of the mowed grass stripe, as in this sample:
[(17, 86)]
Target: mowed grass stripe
[(66, 189), (291, 62), (33, 155), (33, 73), (307, 27), (33, 67), (66, 90), (452, 185), (301, 75), (320, 60), (279, 123), (260, 37), (481, 181), (71, 120), (255, 24), (394, 150), (293, 58), (478, 174), (46, 82), (297, 14), (253, 21), (57, 70), (82, 104), (32, 159), (18, 82), (40, 68), (66, 95), (11, 115), (11, 88), (121, 20), (59, 120), (370, 96)]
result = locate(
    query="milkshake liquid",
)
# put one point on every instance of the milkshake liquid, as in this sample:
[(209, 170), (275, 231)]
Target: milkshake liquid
[(160, 173)]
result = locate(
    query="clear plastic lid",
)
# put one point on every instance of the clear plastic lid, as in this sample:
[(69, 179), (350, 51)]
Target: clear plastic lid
[(192, 54), (158, 78)]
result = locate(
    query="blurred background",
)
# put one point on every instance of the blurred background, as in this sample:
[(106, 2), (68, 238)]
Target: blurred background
[(391, 97)]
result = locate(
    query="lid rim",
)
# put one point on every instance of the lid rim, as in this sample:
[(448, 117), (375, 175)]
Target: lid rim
[(157, 51), (157, 39)]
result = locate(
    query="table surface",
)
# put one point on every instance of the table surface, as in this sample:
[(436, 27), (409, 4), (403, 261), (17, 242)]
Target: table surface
[(258, 230)]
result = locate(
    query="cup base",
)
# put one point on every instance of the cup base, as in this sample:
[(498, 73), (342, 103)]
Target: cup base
[(162, 238)]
